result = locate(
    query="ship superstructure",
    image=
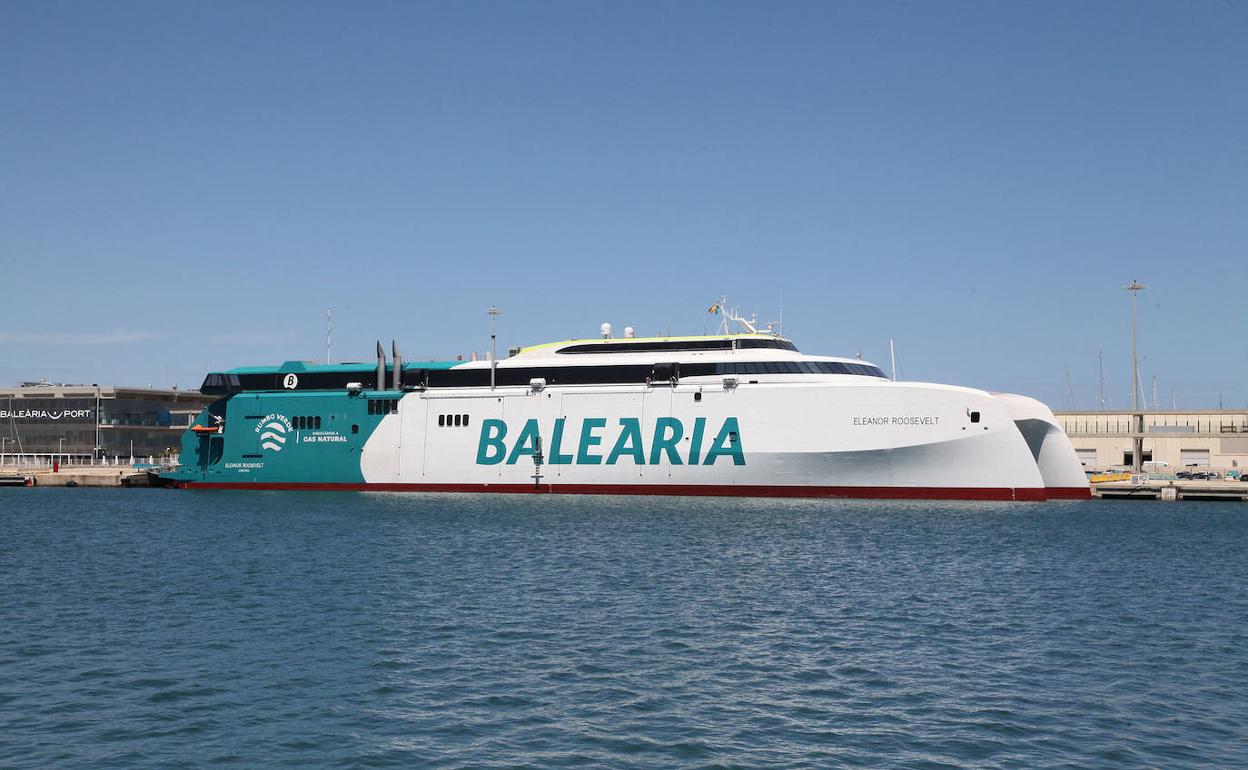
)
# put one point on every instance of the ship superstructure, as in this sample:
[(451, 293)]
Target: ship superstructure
[(725, 414)]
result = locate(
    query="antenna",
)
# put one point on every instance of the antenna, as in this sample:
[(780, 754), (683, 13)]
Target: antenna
[(892, 357), (329, 333), (493, 313), (1154, 391), (780, 324), (1070, 391)]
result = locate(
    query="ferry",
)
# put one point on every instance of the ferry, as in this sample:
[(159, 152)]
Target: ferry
[(737, 413)]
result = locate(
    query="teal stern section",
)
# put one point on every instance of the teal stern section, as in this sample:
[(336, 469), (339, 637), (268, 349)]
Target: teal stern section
[(312, 437)]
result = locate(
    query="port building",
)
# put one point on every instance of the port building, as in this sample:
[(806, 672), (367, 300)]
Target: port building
[(1214, 439), (42, 422)]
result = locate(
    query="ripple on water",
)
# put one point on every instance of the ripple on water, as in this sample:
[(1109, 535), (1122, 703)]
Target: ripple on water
[(271, 629)]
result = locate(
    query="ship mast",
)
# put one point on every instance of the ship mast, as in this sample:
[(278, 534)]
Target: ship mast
[(493, 313), (730, 314), (329, 333)]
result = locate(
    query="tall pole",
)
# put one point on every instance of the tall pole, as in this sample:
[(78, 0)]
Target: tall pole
[(493, 313), (1135, 287), (329, 332), (1100, 358), (97, 449)]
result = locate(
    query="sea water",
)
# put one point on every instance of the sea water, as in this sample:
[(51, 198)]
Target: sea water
[(154, 628)]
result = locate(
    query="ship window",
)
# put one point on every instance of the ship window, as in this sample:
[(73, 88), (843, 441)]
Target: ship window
[(974, 416), (648, 346), (465, 421), (394, 407), (766, 343), (372, 406), (318, 421), (299, 424), (355, 429), (441, 420)]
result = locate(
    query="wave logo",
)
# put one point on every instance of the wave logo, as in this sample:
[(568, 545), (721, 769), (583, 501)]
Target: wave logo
[(274, 430)]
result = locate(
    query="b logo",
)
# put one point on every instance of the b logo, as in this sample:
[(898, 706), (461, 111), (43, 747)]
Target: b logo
[(291, 382)]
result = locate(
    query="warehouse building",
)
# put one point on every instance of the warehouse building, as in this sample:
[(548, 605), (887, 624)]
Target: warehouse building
[(1213, 439), (42, 422)]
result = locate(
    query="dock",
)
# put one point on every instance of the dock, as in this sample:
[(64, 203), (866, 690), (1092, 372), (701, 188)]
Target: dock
[(82, 476), (1179, 489)]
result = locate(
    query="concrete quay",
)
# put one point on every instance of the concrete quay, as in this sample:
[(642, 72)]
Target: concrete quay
[(1181, 489), (80, 476)]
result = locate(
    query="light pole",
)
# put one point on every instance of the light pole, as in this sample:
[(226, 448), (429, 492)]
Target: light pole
[(60, 449), (1137, 459), (493, 313)]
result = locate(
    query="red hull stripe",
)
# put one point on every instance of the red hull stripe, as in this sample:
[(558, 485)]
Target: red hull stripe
[(705, 490), (1069, 493)]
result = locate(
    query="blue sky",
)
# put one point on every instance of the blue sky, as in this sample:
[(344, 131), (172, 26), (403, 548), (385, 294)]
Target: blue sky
[(188, 186)]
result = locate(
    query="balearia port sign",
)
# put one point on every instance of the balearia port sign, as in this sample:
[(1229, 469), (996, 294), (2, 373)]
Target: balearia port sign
[(51, 415)]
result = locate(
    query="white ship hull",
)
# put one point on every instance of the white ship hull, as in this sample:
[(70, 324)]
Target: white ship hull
[(840, 437)]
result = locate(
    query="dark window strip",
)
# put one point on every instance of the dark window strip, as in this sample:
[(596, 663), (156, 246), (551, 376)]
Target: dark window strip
[(597, 375)]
